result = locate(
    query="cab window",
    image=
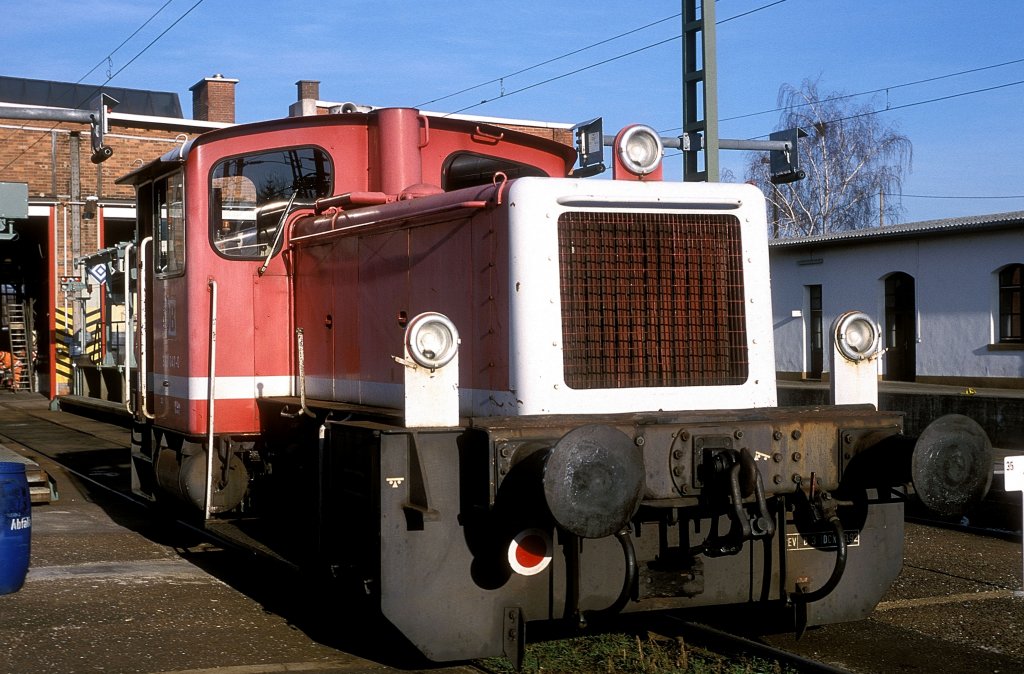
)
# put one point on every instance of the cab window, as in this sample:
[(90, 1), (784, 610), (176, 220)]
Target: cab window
[(169, 218), (249, 195), (468, 169)]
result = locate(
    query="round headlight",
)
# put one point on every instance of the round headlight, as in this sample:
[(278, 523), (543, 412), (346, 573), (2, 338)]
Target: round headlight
[(640, 149), (857, 336), (432, 340)]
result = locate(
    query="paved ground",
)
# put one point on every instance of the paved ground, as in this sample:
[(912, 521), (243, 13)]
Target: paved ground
[(954, 608)]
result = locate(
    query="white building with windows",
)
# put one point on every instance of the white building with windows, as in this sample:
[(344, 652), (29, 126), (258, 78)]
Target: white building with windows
[(947, 294)]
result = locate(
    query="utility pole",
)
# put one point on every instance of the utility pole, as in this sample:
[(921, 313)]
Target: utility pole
[(78, 318), (700, 108), (700, 91), (700, 115)]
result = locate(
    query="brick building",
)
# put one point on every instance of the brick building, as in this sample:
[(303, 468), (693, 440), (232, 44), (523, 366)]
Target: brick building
[(74, 206)]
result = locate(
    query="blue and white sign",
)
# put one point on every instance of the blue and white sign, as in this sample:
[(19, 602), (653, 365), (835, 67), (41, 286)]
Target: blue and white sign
[(98, 273)]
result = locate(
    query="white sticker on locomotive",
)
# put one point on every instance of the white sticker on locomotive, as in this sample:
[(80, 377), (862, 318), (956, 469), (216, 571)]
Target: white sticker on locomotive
[(394, 482), (171, 316), (823, 540)]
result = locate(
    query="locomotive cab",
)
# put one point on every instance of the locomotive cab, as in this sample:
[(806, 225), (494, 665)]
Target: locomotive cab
[(500, 393)]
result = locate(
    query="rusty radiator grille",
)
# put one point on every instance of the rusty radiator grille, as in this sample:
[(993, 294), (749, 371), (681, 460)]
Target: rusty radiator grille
[(651, 299)]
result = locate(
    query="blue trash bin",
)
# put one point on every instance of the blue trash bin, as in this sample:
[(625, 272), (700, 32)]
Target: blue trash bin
[(15, 526)]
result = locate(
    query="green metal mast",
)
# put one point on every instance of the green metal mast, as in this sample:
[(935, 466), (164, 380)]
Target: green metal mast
[(700, 92)]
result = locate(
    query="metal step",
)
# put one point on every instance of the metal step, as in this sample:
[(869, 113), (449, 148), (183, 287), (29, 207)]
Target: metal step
[(41, 488)]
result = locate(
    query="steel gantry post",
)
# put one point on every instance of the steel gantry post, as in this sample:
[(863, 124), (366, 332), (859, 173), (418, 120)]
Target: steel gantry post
[(700, 92)]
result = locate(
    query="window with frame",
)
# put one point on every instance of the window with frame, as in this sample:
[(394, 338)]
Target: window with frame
[(469, 169), (1011, 288), (250, 194), (815, 332), (169, 221)]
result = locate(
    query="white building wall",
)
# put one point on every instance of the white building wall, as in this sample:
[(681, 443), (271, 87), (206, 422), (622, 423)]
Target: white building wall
[(956, 287)]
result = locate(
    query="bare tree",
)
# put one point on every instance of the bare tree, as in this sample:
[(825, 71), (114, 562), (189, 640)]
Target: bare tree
[(854, 164)]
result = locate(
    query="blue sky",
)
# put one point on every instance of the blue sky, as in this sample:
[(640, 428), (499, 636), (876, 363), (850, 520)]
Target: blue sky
[(392, 52)]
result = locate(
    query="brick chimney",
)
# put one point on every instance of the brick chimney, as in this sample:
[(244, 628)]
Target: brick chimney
[(309, 94), (213, 99), (308, 89)]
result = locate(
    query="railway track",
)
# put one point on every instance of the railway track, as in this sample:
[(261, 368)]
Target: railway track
[(96, 454)]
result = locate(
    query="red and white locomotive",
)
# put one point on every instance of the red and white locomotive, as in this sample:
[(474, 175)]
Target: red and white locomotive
[(495, 393)]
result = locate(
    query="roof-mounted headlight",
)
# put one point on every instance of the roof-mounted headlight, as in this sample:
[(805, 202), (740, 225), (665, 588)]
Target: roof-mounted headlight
[(432, 340), (639, 150), (857, 336)]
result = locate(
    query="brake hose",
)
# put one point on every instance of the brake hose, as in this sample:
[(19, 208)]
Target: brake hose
[(837, 570)]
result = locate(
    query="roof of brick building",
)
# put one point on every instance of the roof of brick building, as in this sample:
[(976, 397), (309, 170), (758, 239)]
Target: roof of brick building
[(22, 91)]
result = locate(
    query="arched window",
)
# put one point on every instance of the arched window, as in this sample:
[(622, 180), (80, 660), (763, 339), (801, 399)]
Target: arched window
[(1011, 285)]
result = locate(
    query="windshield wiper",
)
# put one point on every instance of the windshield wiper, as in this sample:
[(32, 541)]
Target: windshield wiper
[(280, 231)]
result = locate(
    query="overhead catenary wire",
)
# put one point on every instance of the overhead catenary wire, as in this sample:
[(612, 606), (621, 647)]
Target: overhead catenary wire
[(549, 61), (870, 91), (914, 104), (506, 94), (577, 51), (96, 90), (955, 196), (911, 105), (568, 74), (107, 58), (154, 41)]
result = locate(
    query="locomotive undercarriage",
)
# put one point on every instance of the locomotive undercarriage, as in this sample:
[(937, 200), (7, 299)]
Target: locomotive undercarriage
[(734, 509)]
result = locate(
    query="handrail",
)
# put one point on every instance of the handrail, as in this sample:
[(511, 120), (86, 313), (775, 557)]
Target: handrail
[(143, 372), (211, 390), (128, 326), (303, 409), (395, 221)]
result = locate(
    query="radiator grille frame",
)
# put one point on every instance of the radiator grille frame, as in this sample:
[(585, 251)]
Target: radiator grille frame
[(652, 299)]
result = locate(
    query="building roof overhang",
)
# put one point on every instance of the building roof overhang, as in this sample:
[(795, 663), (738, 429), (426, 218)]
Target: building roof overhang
[(912, 230)]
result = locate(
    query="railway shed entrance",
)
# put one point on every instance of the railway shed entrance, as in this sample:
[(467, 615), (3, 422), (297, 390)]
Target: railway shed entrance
[(52, 312)]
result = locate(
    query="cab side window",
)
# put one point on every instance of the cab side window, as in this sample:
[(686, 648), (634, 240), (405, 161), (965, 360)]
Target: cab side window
[(469, 169), (249, 195), (169, 219)]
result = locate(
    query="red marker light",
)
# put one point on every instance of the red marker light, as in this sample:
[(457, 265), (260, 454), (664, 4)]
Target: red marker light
[(529, 552)]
